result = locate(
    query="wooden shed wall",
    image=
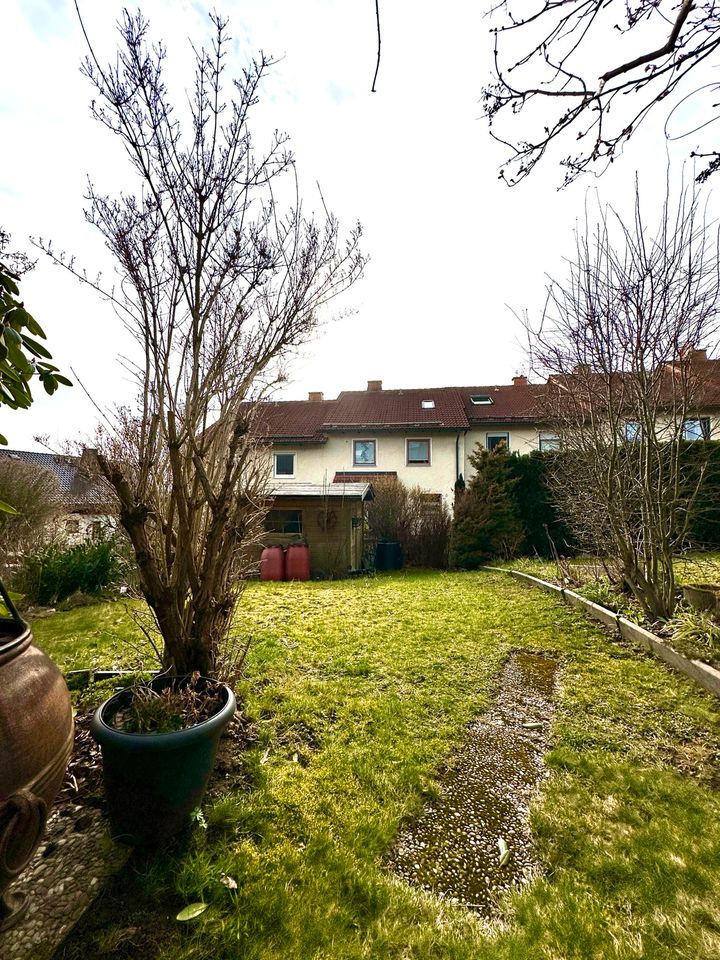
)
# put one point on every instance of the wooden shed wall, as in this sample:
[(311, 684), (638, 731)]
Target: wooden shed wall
[(326, 529)]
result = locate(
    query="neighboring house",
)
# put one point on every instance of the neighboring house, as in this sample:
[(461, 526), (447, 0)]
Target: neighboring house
[(423, 437), (85, 504)]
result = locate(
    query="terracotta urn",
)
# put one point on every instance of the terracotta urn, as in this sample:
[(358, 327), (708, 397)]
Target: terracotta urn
[(36, 738)]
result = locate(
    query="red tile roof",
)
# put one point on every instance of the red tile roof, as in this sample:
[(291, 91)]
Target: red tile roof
[(391, 408), (311, 421), (452, 409), (287, 420), (515, 401)]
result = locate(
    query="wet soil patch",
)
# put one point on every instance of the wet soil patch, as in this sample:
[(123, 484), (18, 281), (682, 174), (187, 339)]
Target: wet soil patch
[(474, 841)]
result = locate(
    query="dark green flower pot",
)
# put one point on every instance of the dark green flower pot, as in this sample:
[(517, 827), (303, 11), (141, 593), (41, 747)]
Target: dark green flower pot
[(153, 781)]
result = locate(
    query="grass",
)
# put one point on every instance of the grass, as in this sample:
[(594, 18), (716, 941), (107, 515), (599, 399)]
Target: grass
[(355, 695)]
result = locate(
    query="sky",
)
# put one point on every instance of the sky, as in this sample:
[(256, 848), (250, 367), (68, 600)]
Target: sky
[(455, 255)]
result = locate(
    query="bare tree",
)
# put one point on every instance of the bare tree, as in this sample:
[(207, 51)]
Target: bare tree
[(620, 345), (35, 495), (217, 283), (589, 72)]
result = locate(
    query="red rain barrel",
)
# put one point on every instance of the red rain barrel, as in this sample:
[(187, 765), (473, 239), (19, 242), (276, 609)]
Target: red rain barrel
[(272, 563), (297, 562)]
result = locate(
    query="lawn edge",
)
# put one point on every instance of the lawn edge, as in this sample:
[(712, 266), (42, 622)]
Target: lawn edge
[(702, 673)]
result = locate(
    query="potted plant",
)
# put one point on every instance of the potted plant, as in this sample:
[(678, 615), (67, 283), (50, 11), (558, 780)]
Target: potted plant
[(216, 285), (159, 742)]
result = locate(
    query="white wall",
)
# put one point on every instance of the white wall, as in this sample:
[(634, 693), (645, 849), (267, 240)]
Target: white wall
[(318, 463)]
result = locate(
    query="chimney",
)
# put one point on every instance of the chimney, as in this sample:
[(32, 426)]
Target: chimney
[(520, 381), (88, 459), (374, 386), (315, 397), (698, 355)]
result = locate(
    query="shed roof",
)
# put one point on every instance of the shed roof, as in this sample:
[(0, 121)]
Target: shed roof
[(348, 491)]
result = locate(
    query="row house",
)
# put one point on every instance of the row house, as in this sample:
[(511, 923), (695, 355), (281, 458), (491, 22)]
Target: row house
[(423, 437)]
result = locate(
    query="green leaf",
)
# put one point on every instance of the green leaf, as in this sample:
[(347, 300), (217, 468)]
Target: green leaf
[(6, 507), (50, 384), (63, 380), (18, 359), (191, 911), (22, 397), (7, 398), (18, 318), (9, 283), (35, 328), (3, 440), (34, 347), (11, 337), (8, 373)]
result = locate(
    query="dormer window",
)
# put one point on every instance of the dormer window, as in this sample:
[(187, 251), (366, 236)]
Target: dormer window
[(427, 404), (480, 399)]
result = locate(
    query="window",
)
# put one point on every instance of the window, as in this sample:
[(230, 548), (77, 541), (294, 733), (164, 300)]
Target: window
[(493, 440), (632, 430), (548, 441), (697, 429), (284, 465), (480, 399), (364, 453), (427, 404), (418, 451), (283, 521), (72, 525), (95, 529), (431, 504)]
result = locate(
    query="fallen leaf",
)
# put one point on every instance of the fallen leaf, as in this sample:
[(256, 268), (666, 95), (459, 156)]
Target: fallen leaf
[(191, 911)]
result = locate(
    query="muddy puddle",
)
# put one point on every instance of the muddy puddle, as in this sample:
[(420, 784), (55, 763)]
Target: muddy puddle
[(474, 842)]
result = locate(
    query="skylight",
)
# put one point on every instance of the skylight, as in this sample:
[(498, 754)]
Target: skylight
[(427, 404), (480, 398)]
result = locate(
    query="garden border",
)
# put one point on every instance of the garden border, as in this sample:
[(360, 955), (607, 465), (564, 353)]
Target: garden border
[(702, 673)]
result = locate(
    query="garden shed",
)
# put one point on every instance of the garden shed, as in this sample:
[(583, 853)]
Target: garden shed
[(329, 518)]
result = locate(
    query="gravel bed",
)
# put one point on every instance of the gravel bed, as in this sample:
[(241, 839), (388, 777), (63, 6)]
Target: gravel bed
[(73, 861), (474, 842)]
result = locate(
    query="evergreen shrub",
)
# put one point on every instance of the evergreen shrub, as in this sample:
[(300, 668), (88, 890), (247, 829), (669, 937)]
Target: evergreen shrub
[(52, 573)]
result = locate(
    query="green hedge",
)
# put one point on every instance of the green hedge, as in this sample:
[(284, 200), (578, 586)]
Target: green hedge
[(508, 509)]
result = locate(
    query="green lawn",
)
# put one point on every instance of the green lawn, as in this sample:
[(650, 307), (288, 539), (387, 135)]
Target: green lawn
[(369, 684)]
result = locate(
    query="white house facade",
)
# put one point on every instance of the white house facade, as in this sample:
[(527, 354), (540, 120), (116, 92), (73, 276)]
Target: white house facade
[(422, 437)]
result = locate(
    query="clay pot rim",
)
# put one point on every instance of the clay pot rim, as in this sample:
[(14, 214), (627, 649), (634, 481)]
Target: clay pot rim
[(15, 636)]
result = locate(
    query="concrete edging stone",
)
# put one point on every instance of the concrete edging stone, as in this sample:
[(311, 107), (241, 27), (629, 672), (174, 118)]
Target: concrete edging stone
[(702, 673)]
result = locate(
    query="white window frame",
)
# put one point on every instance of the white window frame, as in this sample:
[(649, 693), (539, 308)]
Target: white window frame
[(418, 463), (705, 434), (365, 463), (545, 436), (632, 431), (284, 453), (501, 435)]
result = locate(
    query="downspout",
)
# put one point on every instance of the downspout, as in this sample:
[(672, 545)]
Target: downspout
[(457, 454)]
